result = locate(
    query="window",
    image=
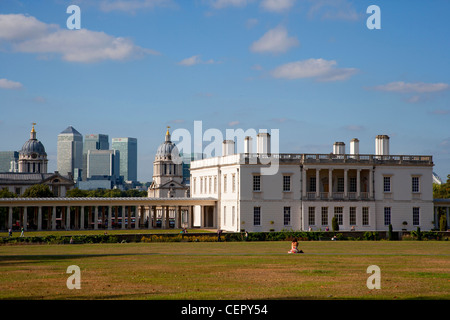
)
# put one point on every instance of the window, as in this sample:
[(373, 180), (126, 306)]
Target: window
[(224, 183), (286, 183), (387, 216), (257, 216), (287, 216), (340, 185), (233, 183), (352, 214), (324, 216), (209, 185), (215, 184), (415, 184), (256, 183), (224, 215), (352, 185), (311, 216), (338, 214), (201, 185), (365, 216), (233, 215), (387, 184), (312, 184), (416, 216)]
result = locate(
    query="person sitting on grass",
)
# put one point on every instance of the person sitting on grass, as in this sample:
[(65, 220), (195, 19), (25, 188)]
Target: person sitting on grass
[(294, 247)]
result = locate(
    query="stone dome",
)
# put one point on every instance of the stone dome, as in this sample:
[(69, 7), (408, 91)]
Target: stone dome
[(167, 149), (33, 146)]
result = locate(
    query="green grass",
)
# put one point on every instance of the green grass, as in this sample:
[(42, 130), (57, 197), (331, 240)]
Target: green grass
[(227, 270)]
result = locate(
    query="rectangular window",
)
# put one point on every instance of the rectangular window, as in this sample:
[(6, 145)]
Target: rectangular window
[(287, 216), (416, 216), (365, 216), (195, 185), (311, 216), (233, 215), (415, 184), (224, 215), (340, 185), (324, 216), (233, 183), (387, 184), (256, 183), (286, 183), (352, 216), (224, 183), (215, 184), (201, 185), (257, 216), (338, 213), (352, 184), (387, 216), (209, 185), (312, 184)]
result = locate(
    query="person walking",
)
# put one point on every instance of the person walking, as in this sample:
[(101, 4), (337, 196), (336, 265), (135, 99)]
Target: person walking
[(21, 233)]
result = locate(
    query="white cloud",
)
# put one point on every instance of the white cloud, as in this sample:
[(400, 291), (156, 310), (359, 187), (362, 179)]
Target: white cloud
[(334, 10), (191, 61), (133, 5), (220, 4), (233, 123), (73, 45), (320, 69), (275, 41), (277, 5), (418, 87), (8, 84)]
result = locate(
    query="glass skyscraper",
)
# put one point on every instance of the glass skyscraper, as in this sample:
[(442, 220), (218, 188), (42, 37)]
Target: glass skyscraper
[(127, 148), (6, 157), (93, 142), (70, 152)]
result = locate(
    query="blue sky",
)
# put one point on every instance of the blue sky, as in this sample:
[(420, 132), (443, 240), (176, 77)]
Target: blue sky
[(311, 69)]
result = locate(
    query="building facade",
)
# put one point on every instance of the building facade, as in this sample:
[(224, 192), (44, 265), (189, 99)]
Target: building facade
[(9, 161), (127, 148), (69, 152), (363, 192), (168, 179)]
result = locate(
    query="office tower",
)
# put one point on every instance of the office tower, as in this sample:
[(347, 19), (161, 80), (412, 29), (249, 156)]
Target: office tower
[(70, 148), (103, 163), (93, 142), (128, 157), (9, 161)]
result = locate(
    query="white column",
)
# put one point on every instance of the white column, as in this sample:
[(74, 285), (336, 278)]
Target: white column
[(54, 218), (330, 183), (82, 218), (371, 191), (39, 226), (345, 183), (96, 218), (317, 183), (109, 217), (25, 220), (137, 217), (68, 218), (177, 217), (304, 183), (10, 217), (358, 184)]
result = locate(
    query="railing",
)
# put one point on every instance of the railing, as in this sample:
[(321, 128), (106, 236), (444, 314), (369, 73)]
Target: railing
[(254, 158)]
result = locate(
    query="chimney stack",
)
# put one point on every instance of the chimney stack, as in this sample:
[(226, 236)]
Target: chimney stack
[(339, 148), (263, 143), (382, 145), (354, 146), (227, 147), (248, 144)]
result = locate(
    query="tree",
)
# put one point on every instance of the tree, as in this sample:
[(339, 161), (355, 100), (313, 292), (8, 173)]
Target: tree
[(76, 193), (443, 223), (38, 191), (442, 191), (334, 224), (5, 193)]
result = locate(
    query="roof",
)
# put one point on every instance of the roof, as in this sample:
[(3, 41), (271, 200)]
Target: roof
[(71, 130)]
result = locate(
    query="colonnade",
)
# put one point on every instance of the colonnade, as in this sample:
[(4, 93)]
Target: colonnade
[(33, 214)]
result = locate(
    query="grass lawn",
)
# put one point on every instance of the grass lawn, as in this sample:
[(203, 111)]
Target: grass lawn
[(227, 270)]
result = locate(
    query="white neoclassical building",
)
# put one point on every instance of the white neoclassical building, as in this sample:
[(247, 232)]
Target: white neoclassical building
[(364, 192)]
